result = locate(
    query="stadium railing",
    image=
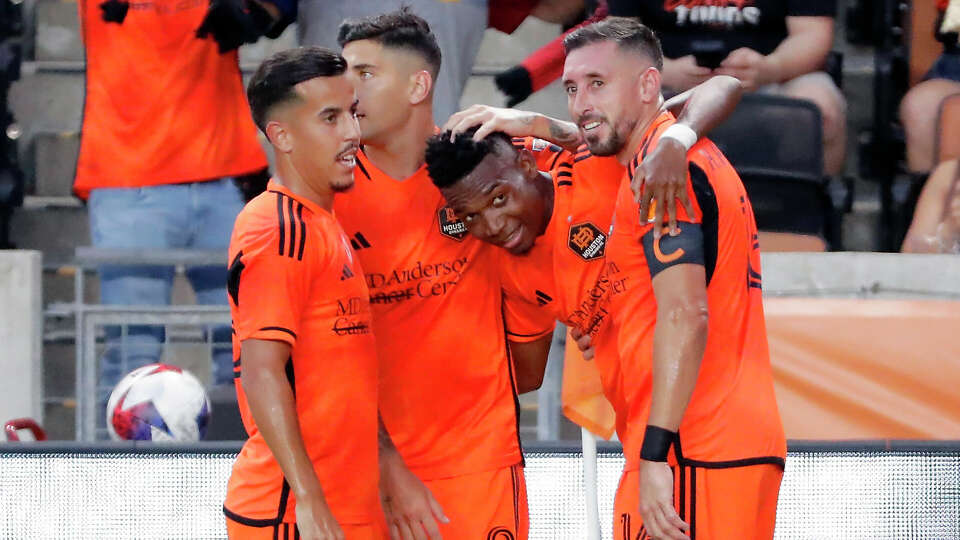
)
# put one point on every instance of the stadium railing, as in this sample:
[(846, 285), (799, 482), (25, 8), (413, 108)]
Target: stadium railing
[(848, 490), (785, 274), (90, 320)]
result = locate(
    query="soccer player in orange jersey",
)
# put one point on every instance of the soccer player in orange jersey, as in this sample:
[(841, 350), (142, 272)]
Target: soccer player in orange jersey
[(704, 446), (562, 219), (305, 357), (451, 463), (501, 196)]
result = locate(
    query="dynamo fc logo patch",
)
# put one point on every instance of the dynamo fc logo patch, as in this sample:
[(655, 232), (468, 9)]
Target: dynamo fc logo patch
[(450, 226), (587, 241)]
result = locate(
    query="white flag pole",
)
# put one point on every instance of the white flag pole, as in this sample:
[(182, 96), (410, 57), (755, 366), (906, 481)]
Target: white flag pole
[(590, 484)]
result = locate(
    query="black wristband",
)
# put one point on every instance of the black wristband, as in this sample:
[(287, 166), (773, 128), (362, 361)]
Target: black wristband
[(656, 443)]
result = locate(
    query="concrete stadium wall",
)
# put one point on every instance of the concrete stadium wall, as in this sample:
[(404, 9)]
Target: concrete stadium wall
[(21, 323), (886, 275)]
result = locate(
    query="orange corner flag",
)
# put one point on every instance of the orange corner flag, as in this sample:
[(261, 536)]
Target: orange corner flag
[(582, 395)]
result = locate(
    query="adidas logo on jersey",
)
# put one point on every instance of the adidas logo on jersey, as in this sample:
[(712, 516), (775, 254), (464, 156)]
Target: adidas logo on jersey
[(359, 241), (347, 273), (543, 298)]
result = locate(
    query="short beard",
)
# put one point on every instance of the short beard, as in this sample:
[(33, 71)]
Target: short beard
[(613, 144), (609, 147), (341, 188)]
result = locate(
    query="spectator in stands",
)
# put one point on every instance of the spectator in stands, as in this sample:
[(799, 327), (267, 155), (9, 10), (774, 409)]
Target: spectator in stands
[(936, 221), (772, 46), (167, 140), (918, 110)]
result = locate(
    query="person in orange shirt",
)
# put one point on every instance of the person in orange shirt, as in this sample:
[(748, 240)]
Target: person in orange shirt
[(305, 359), (704, 446), (168, 154), (451, 463)]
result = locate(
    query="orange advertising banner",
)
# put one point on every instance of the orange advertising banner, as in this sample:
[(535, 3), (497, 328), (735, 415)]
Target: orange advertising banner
[(844, 369), (866, 369)]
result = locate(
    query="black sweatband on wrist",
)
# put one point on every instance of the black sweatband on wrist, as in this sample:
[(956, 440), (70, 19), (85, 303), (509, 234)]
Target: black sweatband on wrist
[(656, 443)]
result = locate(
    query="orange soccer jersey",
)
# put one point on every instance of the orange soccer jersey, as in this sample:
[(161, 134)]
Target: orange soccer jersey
[(732, 418), (447, 394), (295, 279), (161, 105), (564, 272)]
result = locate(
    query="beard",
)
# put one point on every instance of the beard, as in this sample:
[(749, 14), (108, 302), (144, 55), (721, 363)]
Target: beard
[(614, 142), (341, 186)]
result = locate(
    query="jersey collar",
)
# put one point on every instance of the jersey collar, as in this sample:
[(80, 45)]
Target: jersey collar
[(277, 187)]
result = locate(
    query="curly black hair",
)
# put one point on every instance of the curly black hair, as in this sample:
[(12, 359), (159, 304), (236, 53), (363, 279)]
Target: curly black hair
[(449, 161), (400, 29)]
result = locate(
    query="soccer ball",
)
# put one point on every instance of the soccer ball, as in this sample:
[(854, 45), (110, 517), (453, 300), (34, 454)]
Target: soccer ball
[(158, 402)]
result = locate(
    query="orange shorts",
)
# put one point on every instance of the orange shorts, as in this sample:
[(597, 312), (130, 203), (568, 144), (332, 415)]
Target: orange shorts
[(288, 531), (490, 505), (734, 503)]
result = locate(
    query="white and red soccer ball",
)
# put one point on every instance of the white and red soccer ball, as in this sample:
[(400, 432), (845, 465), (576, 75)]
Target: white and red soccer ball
[(158, 402)]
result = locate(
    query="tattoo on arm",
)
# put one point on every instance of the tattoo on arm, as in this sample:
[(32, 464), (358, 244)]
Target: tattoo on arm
[(565, 134), (383, 438)]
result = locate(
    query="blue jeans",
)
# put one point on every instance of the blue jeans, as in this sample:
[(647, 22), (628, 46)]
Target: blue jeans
[(196, 215), (947, 66)]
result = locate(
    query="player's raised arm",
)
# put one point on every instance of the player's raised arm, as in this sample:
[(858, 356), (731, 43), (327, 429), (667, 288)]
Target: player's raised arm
[(707, 105), (411, 510), (661, 177), (515, 123), (271, 402)]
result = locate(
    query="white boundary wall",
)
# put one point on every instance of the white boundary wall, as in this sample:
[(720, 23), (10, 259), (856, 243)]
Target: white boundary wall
[(21, 326)]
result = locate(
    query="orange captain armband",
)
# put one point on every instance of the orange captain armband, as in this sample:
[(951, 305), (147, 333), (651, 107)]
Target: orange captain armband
[(666, 251)]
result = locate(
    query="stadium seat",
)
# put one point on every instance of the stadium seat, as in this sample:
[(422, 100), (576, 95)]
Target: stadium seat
[(881, 24), (948, 129), (775, 145)]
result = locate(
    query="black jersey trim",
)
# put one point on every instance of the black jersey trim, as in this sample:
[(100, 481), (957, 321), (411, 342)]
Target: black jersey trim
[(249, 522), (732, 464), (280, 329), (281, 225), (303, 231), (710, 218)]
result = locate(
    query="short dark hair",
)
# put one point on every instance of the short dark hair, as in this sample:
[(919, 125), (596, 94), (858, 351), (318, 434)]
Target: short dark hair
[(449, 161), (400, 29), (626, 32), (273, 82)]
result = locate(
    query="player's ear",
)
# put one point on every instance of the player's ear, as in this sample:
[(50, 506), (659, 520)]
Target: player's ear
[(650, 85), (421, 86), (279, 137), (527, 163)]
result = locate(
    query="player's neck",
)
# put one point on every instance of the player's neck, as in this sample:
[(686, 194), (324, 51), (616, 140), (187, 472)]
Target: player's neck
[(400, 153), (626, 153), (289, 177)]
